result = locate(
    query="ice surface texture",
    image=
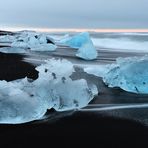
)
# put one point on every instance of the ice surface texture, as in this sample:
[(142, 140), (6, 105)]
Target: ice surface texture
[(7, 38), (34, 41), (130, 74), (23, 101), (82, 41)]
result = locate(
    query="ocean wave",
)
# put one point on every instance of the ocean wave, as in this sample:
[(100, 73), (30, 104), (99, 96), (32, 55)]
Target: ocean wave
[(121, 43)]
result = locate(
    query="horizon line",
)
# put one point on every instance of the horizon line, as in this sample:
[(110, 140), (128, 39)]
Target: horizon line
[(39, 29)]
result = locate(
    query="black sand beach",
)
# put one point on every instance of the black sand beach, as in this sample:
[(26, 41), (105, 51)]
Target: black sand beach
[(12, 68), (112, 128), (89, 127)]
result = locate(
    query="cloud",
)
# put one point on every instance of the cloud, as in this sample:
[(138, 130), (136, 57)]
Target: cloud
[(75, 14)]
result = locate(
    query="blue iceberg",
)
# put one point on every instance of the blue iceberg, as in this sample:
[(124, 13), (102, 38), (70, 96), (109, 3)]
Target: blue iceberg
[(130, 74), (82, 41), (87, 51), (76, 41)]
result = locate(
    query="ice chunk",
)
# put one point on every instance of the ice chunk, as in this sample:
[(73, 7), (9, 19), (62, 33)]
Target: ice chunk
[(67, 94), (76, 41), (59, 67), (7, 38), (23, 101), (33, 41), (19, 44), (87, 51), (18, 106), (82, 41), (25, 41), (42, 39), (72, 94), (130, 74)]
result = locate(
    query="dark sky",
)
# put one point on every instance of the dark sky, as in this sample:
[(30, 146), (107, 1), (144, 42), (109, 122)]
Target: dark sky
[(75, 13)]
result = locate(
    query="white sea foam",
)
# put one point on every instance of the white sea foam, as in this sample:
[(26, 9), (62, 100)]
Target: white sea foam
[(121, 44)]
